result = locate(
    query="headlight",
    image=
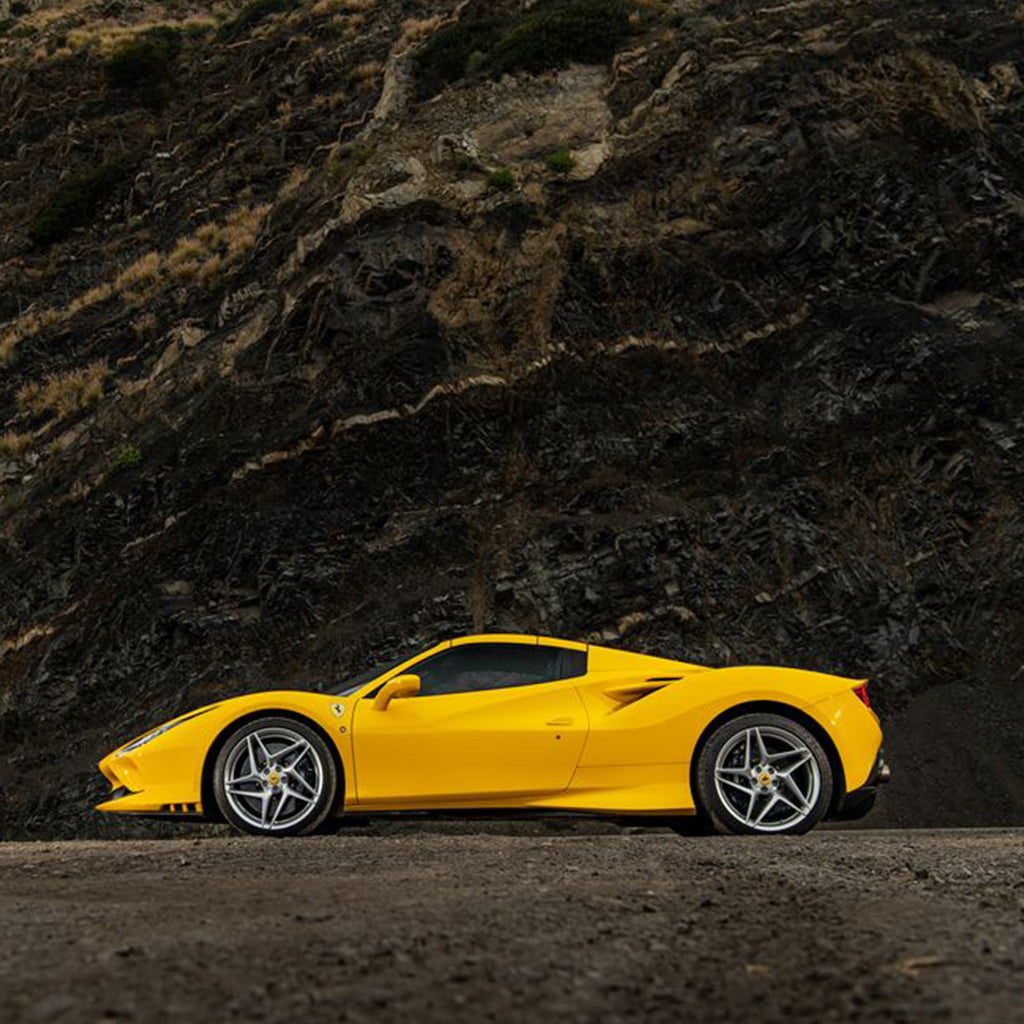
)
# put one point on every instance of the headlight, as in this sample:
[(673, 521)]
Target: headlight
[(149, 736), (143, 740)]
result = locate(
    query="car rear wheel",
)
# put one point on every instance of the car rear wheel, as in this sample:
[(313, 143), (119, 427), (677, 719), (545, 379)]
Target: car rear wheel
[(763, 774), (275, 777)]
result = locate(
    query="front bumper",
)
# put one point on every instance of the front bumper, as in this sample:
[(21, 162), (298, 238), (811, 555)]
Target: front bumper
[(150, 781)]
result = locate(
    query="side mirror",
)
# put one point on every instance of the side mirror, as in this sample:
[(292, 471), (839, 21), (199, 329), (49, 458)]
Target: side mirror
[(400, 686)]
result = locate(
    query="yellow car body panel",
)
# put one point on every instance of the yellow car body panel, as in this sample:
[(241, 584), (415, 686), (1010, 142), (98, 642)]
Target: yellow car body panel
[(168, 771), (619, 739), (664, 728), (519, 742)]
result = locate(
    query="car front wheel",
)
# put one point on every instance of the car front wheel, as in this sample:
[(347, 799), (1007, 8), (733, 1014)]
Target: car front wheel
[(763, 774), (275, 777)]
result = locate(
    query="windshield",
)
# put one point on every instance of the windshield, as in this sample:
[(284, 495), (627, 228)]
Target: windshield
[(370, 674)]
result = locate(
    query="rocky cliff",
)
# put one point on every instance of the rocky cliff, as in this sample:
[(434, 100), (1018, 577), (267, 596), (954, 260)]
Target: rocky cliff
[(691, 326)]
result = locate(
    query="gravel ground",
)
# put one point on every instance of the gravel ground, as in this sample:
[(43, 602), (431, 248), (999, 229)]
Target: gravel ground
[(523, 925)]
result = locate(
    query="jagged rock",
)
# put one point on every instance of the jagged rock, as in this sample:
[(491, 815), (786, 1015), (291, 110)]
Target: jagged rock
[(741, 387)]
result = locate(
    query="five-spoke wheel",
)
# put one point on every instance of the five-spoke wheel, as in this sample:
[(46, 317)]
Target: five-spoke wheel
[(275, 776), (763, 773)]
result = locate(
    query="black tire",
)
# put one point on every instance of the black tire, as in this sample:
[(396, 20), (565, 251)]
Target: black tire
[(693, 825), (303, 793), (800, 801), (336, 824)]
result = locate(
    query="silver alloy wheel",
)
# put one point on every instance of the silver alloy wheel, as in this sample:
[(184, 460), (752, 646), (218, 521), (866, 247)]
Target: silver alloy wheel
[(767, 778), (273, 778)]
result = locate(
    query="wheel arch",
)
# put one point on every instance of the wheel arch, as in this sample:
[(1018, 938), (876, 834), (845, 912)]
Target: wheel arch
[(210, 809), (797, 715)]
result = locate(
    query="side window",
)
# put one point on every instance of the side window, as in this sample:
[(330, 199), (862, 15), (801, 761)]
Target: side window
[(573, 663), (488, 667)]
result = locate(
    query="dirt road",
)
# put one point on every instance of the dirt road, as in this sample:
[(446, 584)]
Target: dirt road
[(426, 926)]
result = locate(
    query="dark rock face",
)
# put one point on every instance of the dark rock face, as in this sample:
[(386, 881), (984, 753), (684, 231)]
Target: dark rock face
[(747, 386)]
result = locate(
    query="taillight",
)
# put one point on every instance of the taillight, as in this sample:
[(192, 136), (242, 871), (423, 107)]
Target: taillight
[(862, 693)]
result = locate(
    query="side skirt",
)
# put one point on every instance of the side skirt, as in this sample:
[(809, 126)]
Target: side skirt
[(511, 813)]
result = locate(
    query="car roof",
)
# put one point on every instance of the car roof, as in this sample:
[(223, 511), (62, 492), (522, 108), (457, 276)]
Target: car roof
[(513, 638), (493, 638), (602, 658)]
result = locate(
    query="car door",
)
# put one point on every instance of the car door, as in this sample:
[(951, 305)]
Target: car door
[(492, 721)]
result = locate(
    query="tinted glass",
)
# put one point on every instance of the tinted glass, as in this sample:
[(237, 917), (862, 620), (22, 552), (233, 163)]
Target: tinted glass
[(487, 667), (574, 663), (364, 677)]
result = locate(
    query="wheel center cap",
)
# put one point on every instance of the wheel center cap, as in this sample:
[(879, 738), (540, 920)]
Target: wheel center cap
[(765, 779), (274, 778)]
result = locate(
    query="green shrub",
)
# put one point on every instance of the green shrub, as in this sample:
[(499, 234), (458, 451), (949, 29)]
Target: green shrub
[(140, 67), (552, 34), (126, 458), (561, 162), (455, 51), (476, 62), (503, 181), (198, 31), (466, 164), (76, 200), (345, 159), (250, 16)]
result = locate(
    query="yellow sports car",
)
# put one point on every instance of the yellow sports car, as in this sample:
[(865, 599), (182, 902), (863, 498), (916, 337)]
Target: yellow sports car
[(506, 722)]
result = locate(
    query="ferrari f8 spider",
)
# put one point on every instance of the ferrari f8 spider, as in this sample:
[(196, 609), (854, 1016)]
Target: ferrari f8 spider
[(498, 724)]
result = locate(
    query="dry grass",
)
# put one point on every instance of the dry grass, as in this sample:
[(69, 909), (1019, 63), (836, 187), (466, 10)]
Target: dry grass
[(43, 16), (28, 325), (64, 393), (93, 297), (203, 255), (8, 343), (211, 269), (15, 333), (186, 258), (106, 36), (14, 444), (364, 76), (208, 233), (368, 69), (242, 228), (298, 178), (414, 30), (884, 91), (135, 280), (200, 257), (330, 101), (324, 7), (145, 326)]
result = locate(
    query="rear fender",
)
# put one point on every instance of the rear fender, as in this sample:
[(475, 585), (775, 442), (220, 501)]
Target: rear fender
[(666, 725)]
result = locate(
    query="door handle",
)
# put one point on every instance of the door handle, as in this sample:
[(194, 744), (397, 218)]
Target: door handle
[(564, 720)]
